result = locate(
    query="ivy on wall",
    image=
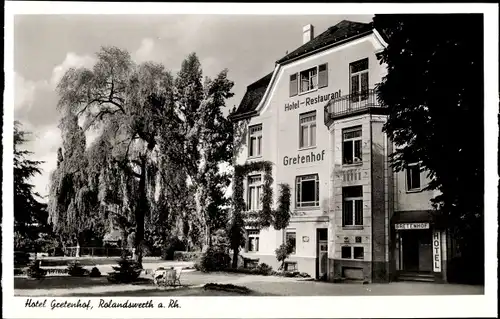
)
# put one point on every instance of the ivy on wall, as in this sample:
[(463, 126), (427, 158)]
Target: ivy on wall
[(266, 217)]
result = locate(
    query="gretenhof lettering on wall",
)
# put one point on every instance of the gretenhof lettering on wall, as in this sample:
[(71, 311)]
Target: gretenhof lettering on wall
[(301, 159), (320, 98)]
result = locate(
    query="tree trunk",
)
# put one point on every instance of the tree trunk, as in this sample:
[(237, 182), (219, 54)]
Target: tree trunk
[(235, 258), (140, 212)]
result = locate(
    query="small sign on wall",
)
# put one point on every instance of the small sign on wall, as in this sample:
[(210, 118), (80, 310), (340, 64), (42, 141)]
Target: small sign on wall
[(436, 251), (406, 226)]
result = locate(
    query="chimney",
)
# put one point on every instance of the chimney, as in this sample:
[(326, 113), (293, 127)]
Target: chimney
[(307, 33)]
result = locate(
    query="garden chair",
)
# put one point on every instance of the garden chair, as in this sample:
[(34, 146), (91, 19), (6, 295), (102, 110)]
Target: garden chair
[(177, 278)]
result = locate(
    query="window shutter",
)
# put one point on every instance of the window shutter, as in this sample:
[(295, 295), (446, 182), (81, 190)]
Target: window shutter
[(323, 75), (293, 85)]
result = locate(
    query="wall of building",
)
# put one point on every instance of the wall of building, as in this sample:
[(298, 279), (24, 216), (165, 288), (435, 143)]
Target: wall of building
[(411, 200), (281, 126)]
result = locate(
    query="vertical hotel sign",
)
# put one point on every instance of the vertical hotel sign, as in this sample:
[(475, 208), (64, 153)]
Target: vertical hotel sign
[(436, 250)]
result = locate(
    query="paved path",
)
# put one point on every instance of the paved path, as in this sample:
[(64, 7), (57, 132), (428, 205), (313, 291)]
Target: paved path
[(265, 285)]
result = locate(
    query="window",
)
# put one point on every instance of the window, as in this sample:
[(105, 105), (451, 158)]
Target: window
[(255, 143), (254, 192), (307, 129), (310, 79), (359, 80), (290, 238), (413, 177), (346, 252), (351, 139), (253, 240), (352, 208), (359, 253), (307, 191)]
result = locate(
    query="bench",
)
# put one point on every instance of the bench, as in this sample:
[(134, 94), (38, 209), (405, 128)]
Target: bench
[(291, 266), (250, 263)]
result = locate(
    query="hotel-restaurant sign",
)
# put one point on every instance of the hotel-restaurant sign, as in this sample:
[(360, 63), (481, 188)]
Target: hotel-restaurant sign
[(320, 98), (406, 226)]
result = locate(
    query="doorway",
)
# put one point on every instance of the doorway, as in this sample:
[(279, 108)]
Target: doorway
[(322, 253), (416, 250)]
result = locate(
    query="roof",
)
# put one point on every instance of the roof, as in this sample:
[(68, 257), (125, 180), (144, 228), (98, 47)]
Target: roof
[(252, 97), (343, 30), (340, 32)]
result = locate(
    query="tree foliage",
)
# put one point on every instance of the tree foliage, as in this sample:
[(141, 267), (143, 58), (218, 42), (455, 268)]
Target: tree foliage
[(155, 164), (30, 215), (434, 93)]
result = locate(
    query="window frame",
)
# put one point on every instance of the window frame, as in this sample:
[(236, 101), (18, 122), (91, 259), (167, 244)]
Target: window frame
[(353, 141), (296, 77), (299, 204), (258, 135), (352, 201), (351, 252), (253, 234), (408, 174), (359, 95), (258, 186), (294, 232), (310, 126)]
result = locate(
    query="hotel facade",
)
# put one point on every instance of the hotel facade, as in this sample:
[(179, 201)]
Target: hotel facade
[(317, 119)]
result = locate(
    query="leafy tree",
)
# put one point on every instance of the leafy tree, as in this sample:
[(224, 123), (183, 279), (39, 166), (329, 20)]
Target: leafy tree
[(200, 140), (434, 93), (154, 133)]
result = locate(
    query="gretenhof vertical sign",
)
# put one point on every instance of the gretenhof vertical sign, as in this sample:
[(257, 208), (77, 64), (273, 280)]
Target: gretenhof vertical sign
[(436, 251)]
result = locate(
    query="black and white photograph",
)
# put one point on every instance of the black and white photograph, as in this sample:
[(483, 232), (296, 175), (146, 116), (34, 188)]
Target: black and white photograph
[(240, 150)]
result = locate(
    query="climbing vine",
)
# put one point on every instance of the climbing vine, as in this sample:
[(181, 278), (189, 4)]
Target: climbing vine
[(266, 217)]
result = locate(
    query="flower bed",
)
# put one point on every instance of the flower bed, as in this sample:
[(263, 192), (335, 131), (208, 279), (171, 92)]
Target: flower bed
[(227, 287)]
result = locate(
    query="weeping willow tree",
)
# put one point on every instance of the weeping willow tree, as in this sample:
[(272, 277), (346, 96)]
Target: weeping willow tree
[(73, 206), (124, 103)]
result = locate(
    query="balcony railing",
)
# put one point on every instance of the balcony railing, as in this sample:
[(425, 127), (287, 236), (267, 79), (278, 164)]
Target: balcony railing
[(351, 104)]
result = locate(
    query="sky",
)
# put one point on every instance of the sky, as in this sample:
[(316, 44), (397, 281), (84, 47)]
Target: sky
[(45, 46)]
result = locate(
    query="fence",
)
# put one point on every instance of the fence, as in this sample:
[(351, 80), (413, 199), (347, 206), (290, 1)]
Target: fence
[(96, 251)]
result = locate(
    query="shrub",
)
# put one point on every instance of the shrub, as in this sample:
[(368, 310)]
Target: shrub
[(186, 255), (34, 270), (172, 245), (264, 269), (213, 260), (283, 252), (76, 270), (21, 259), (95, 272), (127, 271)]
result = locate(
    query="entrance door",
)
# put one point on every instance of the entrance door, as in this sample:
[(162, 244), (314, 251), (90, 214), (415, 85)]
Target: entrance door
[(417, 250), (322, 252)]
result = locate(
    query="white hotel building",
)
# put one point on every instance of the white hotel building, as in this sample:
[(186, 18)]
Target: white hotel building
[(317, 119)]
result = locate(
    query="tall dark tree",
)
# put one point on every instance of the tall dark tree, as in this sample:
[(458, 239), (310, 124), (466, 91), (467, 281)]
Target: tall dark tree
[(30, 214), (434, 93), (200, 140)]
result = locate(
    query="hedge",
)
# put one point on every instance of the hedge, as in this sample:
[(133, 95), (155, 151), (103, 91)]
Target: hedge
[(187, 255)]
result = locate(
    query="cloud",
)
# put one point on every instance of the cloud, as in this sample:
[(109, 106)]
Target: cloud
[(24, 91), (72, 60), (145, 50)]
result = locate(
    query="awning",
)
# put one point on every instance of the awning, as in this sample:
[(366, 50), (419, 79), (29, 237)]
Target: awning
[(416, 216)]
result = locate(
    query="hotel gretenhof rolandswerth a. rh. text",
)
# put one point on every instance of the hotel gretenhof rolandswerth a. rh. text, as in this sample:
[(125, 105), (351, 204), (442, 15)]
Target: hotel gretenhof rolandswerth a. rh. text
[(317, 119)]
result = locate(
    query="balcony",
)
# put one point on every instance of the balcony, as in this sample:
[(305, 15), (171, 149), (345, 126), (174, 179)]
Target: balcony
[(352, 104)]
